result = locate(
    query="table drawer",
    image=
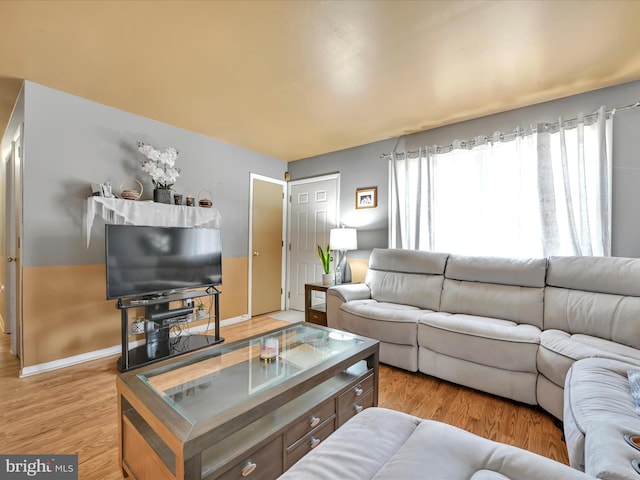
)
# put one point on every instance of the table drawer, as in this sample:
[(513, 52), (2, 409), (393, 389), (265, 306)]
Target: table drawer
[(265, 463), (361, 402), (317, 317), (309, 422), (351, 396), (310, 441)]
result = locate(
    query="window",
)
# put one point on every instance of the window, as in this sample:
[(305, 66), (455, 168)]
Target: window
[(533, 194)]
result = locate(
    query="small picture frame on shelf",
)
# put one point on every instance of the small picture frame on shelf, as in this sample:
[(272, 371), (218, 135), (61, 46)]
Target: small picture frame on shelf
[(101, 190), (367, 197), (96, 189)]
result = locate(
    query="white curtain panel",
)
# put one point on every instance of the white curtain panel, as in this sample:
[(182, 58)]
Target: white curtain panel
[(529, 193), (412, 190), (574, 177)]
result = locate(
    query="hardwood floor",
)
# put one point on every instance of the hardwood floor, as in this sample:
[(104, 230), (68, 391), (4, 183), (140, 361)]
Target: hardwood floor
[(486, 415), (73, 410)]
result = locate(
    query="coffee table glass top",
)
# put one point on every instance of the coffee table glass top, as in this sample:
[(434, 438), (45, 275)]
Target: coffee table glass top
[(228, 375)]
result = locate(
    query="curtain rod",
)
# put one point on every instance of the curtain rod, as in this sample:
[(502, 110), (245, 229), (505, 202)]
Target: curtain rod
[(611, 111)]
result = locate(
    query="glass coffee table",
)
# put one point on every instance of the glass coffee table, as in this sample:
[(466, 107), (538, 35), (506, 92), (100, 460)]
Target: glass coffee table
[(248, 409)]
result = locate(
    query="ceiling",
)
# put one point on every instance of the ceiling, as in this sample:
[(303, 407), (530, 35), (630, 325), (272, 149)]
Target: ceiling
[(294, 79)]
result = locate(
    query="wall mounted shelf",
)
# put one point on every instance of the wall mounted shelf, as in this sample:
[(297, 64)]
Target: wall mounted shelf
[(130, 212)]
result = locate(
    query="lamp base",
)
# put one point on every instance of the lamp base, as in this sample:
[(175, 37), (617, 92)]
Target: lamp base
[(345, 269)]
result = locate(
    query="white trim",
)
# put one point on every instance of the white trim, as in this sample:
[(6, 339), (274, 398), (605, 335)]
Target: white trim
[(67, 362), (320, 178), (106, 352), (391, 225)]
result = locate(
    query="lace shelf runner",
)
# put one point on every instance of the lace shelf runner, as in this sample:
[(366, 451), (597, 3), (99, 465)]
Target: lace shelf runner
[(129, 212)]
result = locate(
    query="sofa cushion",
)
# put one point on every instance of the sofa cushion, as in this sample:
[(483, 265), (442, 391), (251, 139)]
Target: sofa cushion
[(598, 407), (440, 451), (508, 302), (559, 350), (612, 275), (408, 261), (484, 340), (421, 291), (507, 288), (391, 322), (409, 277), (521, 272), (603, 315)]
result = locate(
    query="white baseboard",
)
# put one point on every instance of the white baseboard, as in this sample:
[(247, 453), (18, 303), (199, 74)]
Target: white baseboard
[(67, 362), (115, 350)]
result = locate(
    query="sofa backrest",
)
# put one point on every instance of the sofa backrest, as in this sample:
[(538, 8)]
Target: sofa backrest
[(597, 296), (409, 277), (507, 288)]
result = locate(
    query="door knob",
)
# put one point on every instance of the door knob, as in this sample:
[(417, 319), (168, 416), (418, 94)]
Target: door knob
[(256, 254), (12, 259)]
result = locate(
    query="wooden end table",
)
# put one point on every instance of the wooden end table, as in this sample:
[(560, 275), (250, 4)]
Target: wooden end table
[(315, 313)]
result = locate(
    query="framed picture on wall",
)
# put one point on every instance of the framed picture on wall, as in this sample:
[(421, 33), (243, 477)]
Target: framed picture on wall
[(367, 197)]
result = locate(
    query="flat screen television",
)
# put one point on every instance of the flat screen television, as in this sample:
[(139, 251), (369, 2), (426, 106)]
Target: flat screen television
[(144, 261)]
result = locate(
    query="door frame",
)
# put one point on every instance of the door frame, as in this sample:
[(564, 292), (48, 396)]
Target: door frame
[(13, 228), (285, 215), (320, 178), (5, 326)]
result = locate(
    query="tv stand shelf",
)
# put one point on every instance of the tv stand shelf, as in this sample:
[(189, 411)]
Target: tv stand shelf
[(159, 345), (172, 297)]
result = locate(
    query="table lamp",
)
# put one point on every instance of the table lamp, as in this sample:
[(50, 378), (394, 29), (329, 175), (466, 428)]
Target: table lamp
[(343, 239)]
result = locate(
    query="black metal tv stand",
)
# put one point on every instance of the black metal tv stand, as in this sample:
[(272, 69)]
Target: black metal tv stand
[(159, 344)]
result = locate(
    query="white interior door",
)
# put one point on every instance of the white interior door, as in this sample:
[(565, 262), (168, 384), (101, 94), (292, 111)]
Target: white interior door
[(313, 213)]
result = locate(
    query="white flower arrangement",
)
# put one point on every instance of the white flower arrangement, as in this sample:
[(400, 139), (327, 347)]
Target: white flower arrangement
[(161, 165)]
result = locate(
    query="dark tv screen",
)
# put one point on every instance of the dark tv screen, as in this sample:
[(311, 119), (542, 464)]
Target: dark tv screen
[(148, 261)]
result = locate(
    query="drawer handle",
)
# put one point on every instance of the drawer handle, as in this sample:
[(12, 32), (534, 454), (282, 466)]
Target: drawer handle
[(314, 422), (314, 442), (358, 391), (248, 469), (358, 408)]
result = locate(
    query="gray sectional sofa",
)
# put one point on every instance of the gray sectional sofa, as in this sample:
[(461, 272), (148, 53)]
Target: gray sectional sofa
[(510, 327)]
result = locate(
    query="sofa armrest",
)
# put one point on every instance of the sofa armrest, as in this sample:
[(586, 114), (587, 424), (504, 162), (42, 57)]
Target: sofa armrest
[(340, 294), (350, 291)]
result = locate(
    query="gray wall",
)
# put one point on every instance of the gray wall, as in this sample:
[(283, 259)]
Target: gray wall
[(361, 165), (71, 142), (358, 167)]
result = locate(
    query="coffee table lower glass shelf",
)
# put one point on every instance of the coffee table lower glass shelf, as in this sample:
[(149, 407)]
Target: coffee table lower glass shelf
[(226, 412)]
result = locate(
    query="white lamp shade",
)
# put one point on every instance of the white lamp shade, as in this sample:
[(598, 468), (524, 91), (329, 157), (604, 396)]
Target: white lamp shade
[(343, 239)]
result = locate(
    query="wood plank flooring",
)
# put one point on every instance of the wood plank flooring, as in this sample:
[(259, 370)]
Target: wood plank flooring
[(73, 410), (486, 415)]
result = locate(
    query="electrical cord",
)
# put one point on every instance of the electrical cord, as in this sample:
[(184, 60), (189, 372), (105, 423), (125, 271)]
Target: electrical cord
[(209, 312), (180, 329)]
